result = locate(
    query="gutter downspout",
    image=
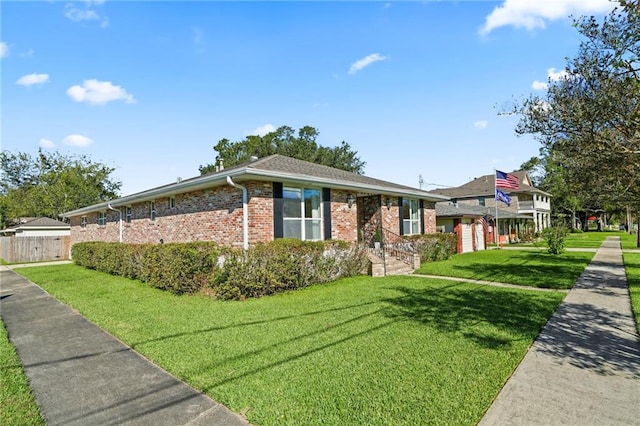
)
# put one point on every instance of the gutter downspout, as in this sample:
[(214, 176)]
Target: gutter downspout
[(245, 211), (119, 211)]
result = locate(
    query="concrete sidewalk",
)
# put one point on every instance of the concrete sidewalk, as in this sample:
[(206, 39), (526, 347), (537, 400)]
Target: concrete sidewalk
[(584, 367), (81, 375)]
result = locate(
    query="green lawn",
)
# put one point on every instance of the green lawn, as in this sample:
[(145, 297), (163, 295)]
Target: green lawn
[(632, 266), (527, 268), (629, 241), (17, 406), (591, 239), (397, 350)]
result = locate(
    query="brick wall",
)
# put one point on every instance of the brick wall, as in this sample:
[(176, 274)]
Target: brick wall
[(215, 214)]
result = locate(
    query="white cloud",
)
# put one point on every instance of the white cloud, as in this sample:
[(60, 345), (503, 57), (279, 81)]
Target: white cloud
[(539, 85), (46, 144), (27, 54), (366, 61), (87, 14), (263, 130), (553, 75), (530, 14), (4, 49), (99, 93), (480, 124), (31, 79), (77, 140)]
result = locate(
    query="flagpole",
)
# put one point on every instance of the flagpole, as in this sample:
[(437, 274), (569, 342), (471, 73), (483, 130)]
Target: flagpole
[(495, 196)]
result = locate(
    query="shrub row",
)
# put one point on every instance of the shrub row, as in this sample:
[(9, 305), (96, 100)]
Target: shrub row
[(264, 269), (434, 247)]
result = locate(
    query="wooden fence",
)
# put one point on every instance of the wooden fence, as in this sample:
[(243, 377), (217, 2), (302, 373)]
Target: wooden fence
[(34, 249)]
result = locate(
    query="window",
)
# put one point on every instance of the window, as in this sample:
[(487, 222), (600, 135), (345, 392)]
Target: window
[(152, 210), (83, 222), (102, 218), (172, 202), (128, 214), (481, 201), (410, 217), (301, 213)]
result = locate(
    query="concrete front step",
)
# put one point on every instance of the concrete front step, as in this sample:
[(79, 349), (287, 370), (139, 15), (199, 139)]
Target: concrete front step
[(393, 266)]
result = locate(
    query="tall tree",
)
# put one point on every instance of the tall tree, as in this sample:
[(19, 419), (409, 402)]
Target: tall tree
[(50, 184), (284, 141), (590, 119)]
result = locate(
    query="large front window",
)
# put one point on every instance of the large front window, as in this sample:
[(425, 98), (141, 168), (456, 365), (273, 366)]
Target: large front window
[(410, 217), (302, 217)]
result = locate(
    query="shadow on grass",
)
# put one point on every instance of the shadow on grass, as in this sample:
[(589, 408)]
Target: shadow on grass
[(511, 315), (556, 272)]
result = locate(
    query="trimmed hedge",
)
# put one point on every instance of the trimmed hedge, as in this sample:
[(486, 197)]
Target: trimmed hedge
[(180, 267), (434, 247), (187, 268), (285, 264)]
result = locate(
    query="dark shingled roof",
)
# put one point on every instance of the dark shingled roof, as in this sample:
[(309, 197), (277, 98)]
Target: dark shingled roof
[(484, 186), (272, 168), (446, 209), (288, 165)]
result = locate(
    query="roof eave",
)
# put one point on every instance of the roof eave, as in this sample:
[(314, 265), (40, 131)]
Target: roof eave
[(244, 173)]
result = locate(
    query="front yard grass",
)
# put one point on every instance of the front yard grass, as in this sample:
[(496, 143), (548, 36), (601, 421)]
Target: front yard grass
[(397, 350), (527, 268), (17, 406), (632, 267)]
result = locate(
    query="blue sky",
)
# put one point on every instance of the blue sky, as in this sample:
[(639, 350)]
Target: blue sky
[(149, 87)]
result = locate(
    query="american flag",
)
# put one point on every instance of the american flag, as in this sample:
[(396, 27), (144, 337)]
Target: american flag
[(506, 180)]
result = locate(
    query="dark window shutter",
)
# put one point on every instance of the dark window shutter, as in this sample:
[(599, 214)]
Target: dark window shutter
[(326, 211), (278, 222), (400, 216), (421, 205)]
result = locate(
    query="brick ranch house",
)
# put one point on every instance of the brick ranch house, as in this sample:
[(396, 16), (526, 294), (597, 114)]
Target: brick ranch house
[(259, 201)]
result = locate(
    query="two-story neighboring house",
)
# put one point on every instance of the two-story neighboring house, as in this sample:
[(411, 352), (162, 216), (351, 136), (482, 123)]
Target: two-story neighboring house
[(525, 201)]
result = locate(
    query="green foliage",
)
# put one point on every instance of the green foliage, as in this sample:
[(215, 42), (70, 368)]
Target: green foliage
[(180, 267), (51, 184), (285, 264), (284, 141), (555, 236), (113, 258), (587, 122), (434, 247), (187, 268)]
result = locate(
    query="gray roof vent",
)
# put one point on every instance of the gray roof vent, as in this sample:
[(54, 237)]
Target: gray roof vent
[(253, 158)]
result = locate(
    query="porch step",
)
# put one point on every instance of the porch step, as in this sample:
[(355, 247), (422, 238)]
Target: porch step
[(393, 266)]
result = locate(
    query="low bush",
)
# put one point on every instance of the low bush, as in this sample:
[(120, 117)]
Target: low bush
[(285, 264), (181, 268), (434, 247), (113, 258), (555, 238), (187, 268)]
